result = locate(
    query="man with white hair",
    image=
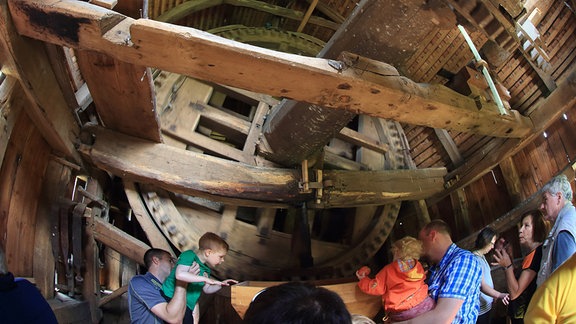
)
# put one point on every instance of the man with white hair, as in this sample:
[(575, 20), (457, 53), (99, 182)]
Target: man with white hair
[(557, 208)]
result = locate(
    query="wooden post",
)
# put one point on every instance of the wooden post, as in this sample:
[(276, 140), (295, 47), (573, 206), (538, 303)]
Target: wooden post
[(56, 179), (91, 286), (460, 207), (512, 180), (307, 15)]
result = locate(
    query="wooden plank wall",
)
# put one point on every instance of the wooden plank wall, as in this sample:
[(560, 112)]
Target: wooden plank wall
[(481, 200), (21, 178), (488, 198), (540, 160)]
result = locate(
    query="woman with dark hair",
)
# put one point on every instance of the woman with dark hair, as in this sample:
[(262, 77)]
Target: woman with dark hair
[(484, 243), (297, 303), (532, 231)]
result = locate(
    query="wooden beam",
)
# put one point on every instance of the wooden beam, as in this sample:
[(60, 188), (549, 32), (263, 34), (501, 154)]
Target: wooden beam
[(359, 139), (449, 145), (28, 61), (118, 240), (307, 16), (125, 101), (350, 189), (329, 11), (186, 8), (361, 88), (11, 94), (312, 126), (240, 184), (116, 293), (252, 140), (512, 180), (332, 159), (498, 149), (231, 123), (153, 234), (108, 4), (192, 173)]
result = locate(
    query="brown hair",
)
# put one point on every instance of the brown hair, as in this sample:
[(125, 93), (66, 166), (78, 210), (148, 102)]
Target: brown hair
[(213, 242), (152, 253), (437, 225)]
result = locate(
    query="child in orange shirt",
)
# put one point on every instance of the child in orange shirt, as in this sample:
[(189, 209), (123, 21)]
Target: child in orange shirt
[(401, 283)]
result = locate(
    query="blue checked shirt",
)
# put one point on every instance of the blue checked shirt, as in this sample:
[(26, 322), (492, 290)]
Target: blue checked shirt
[(458, 275)]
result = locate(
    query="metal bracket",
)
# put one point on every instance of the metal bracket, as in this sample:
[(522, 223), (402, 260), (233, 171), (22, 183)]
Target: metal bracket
[(305, 185)]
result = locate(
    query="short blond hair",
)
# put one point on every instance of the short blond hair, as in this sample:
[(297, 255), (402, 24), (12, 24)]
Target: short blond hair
[(407, 248)]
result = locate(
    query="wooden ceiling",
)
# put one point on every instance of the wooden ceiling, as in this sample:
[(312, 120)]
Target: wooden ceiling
[(424, 44), (408, 52), (387, 84)]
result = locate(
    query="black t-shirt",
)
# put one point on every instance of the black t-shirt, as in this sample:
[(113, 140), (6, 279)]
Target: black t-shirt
[(517, 307)]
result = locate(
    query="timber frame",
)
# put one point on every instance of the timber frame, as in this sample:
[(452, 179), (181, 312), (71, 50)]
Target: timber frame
[(126, 133)]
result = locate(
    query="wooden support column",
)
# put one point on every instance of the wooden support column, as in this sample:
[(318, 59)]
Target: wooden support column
[(374, 161), (449, 145), (91, 284), (54, 187), (227, 221), (460, 208), (312, 126), (301, 240), (265, 221), (512, 180), (112, 260), (253, 138)]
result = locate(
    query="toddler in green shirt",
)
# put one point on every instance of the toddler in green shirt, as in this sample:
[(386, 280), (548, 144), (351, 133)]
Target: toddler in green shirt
[(212, 250)]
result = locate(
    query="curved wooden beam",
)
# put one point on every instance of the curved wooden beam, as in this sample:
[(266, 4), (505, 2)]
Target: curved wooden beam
[(186, 8), (240, 184)]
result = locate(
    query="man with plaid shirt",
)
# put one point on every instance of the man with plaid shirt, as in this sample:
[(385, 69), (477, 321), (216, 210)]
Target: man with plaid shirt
[(454, 279)]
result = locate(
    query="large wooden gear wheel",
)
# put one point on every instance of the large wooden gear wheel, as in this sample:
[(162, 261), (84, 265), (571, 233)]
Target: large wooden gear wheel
[(257, 250), (261, 239)]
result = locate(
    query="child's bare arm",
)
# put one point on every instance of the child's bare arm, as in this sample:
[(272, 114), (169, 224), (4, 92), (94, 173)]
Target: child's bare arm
[(189, 273), (211, 288)]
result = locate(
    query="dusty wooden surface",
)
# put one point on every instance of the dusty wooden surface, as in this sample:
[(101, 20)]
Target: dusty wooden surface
[(356, 301)]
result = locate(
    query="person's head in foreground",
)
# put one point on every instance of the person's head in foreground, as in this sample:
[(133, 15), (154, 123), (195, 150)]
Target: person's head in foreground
[(297, 303)]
